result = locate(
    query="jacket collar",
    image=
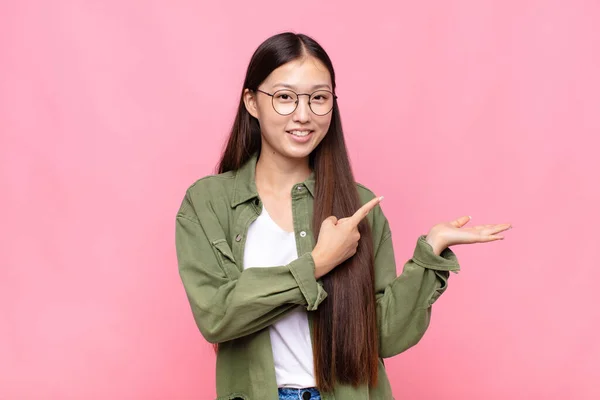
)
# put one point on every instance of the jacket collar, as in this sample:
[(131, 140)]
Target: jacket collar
[(244, 187)]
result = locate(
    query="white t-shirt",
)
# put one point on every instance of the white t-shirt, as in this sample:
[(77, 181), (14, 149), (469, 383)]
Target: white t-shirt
[(267, 245)]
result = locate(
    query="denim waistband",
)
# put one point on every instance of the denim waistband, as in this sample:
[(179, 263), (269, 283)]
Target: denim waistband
[(299, 394)]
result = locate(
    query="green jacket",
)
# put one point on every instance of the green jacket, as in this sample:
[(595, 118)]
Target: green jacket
[(233, 306)]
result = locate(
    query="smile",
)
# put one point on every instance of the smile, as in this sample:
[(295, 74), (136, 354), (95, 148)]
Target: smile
[(300, 133)]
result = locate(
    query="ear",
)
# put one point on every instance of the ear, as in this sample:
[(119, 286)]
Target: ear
[(250, 103)]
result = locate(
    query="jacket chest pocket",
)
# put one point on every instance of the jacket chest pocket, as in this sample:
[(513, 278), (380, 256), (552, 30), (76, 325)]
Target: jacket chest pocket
[(225, 258)]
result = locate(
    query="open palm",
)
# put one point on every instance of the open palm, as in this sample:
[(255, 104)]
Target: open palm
[(454, 232)]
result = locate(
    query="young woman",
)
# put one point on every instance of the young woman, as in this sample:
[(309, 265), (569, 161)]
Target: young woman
[(287, 263)]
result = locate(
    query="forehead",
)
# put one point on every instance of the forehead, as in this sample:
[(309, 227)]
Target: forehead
[(301, 74)]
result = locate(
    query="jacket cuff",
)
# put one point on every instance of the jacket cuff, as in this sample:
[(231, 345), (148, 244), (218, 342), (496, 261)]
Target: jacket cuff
[(426, 258), (303, 270)]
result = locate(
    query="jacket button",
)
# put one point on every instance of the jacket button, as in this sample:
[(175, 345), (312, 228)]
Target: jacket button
[(302, 234), (238, 238), (299, 188)]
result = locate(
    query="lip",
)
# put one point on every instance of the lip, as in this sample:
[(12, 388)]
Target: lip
[(301, 139)]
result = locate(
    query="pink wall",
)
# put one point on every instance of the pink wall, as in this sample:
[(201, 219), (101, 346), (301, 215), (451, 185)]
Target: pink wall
[(109, 110)]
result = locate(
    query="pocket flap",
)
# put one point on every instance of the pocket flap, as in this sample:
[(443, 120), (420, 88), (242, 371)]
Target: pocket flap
[(223, 248)]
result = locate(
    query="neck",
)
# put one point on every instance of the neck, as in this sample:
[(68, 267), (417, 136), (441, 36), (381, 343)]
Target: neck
[(278, 174)]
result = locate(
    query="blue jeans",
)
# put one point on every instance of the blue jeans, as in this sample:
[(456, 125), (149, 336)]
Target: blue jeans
[(299, 394)]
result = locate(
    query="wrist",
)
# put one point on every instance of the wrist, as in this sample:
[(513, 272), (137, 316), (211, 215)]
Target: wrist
[(319, 265), (323, 265), (436, 243)]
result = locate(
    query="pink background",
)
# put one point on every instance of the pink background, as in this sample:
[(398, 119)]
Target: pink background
[(109, 110)]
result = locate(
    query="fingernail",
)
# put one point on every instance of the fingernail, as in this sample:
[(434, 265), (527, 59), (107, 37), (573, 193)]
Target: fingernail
[(381, 198), (469, 217)]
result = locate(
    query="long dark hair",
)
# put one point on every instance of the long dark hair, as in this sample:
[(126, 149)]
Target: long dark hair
[(345, 342)]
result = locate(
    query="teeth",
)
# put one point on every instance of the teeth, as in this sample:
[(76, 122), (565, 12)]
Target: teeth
[(300, 133)]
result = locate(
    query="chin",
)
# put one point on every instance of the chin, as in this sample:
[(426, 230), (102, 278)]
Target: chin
[(300, 151), (297, 154)]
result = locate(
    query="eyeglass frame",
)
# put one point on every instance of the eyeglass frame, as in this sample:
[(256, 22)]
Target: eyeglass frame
[(272, 95)]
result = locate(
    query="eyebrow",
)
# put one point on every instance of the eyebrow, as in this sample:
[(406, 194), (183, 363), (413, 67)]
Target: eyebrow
[(320, 86)]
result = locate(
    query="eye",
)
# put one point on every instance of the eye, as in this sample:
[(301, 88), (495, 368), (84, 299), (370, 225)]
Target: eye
[(285, 96), (320, 97)]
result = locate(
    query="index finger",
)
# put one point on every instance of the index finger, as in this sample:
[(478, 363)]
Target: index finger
[(364, 210)]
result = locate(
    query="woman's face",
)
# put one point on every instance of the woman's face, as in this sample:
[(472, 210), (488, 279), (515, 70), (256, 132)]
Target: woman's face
[(295, 135)]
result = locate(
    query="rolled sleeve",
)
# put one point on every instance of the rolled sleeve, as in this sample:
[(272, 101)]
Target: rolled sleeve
[(303, 270), (426, 258)]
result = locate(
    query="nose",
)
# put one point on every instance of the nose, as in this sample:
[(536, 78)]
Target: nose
[(302, 112)]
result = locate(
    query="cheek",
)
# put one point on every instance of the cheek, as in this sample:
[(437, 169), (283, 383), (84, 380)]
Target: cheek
[(272, 123), (324, 125), (265, 113), (277, 122)]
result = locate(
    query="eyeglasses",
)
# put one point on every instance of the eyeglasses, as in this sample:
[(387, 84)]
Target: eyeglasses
[(285, 101)]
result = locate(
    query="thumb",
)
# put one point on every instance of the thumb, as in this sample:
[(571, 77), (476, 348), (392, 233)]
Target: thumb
[(460, 222), (332, 220)]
